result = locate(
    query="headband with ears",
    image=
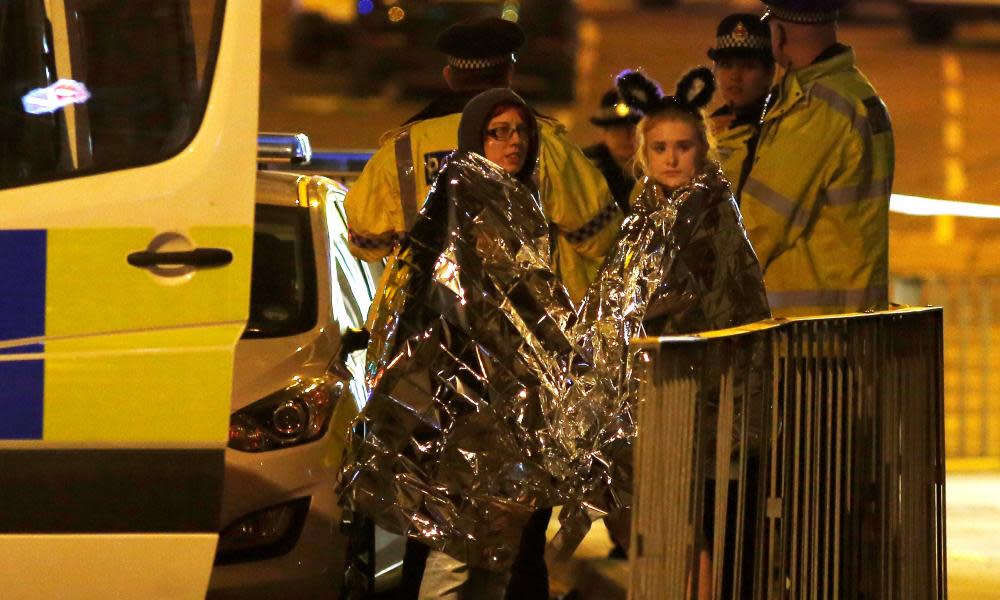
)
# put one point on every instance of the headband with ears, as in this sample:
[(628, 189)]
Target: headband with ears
[(694, 91)]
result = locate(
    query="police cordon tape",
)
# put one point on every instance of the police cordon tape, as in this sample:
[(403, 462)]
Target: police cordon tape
[(926, 207)]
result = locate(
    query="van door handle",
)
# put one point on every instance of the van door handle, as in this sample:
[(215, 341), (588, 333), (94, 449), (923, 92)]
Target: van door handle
[(199, 257)]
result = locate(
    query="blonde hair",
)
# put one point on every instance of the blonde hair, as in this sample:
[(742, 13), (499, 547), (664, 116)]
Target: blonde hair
[(639, 163)]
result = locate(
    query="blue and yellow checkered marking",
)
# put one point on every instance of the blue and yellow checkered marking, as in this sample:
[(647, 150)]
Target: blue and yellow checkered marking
[(22, 316)]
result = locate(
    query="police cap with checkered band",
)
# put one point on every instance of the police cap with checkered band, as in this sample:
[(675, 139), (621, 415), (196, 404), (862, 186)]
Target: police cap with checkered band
[(615, 111), (480, 43), (742, 34), (805, 12)]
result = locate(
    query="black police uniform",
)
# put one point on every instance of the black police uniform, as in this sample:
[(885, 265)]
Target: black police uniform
[(613, 111)]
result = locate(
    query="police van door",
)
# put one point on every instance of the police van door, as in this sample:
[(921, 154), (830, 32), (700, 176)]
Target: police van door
[(127, 165)]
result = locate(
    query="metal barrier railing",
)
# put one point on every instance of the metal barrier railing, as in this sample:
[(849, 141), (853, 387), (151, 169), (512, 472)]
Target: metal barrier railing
[(795, 459)]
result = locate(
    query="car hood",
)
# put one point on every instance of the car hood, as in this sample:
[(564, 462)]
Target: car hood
[(263, 366)]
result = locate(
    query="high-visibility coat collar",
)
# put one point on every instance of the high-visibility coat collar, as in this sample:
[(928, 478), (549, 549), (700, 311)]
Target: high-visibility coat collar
[(796, 83)]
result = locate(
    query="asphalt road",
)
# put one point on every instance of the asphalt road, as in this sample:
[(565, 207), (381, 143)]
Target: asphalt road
[(941, 98)]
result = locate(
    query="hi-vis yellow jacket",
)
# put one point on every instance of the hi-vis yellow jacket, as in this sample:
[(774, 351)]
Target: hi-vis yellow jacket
[(733, 141), (731, 148), (382, 204), (816, 202)]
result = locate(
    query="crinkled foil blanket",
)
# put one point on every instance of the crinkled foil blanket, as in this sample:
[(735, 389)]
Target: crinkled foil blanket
[(491, 396)]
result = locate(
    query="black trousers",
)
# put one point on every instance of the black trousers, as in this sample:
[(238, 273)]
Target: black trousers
[(529, 576)]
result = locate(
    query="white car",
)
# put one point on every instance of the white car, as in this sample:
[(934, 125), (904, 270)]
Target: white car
[(296, 389)]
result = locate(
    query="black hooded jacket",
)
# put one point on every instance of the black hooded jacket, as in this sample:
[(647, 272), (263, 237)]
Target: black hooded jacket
[(475, 117)]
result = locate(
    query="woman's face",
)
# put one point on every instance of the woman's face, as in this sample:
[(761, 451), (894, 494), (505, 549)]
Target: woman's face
[(674, 152), (743, 80), (506, 140)]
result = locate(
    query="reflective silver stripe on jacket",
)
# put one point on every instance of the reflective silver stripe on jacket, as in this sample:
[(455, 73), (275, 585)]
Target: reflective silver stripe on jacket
[(856, 299), (407, 179), (844, 107), (858, 193), (785, 207)]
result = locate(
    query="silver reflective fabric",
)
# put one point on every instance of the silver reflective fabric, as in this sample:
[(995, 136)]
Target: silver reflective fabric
[(467, 354), (682, 264), (491, 396)]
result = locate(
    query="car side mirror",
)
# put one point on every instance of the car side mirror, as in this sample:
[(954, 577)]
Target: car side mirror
[(351, 340)]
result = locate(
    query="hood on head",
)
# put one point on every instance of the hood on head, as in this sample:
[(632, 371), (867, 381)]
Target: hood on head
[(474, 119)]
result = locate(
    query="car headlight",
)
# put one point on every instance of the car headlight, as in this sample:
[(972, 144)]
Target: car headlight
[(295, 415)]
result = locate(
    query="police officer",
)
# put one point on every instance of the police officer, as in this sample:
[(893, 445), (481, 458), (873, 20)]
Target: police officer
[(816, 201), (382, 203), (744, 68), (613, 154)]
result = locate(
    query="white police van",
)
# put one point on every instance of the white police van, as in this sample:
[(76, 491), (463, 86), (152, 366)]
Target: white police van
[(127, 174)]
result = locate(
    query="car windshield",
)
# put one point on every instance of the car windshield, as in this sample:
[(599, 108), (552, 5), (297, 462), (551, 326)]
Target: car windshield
[(283, 283)]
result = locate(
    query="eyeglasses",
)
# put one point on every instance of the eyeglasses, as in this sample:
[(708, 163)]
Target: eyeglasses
[(505, 132)]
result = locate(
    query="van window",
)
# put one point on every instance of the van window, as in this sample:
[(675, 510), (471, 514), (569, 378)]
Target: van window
[(283, 280), (96, 85)]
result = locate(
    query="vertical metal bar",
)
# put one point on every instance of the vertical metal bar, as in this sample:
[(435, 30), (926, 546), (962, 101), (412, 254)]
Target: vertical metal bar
[(813, 402), (763, 398), (923, 451), (842, 394), (776, 433), (830, 401), (793, 415), (894, 482), (697, 481), (884, 465), (723, 456), (938, 386), (847, 574), (743, 408), (905, 348), (923, 446), (869, 451), (879, 471)]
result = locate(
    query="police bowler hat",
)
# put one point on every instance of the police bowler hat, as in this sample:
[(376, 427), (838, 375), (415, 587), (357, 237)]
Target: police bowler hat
[(807, 12), (742, 34), (614, 111), (480, 43)]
